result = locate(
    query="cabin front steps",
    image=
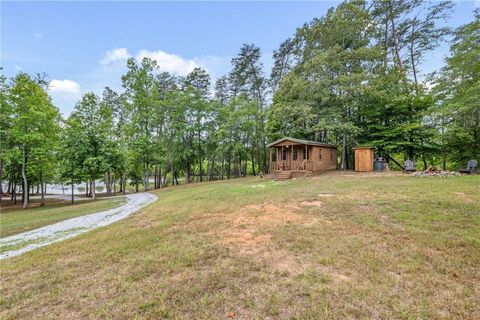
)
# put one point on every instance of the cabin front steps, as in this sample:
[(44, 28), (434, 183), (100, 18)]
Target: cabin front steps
[(283, 175)]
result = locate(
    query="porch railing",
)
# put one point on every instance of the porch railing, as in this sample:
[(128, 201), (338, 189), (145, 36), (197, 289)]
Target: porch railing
[(295, 165)]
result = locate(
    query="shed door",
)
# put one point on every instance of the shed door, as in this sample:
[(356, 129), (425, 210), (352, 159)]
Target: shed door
[(362, 160)]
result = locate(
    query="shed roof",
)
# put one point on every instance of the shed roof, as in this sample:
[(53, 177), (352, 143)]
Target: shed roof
[(307, 142)]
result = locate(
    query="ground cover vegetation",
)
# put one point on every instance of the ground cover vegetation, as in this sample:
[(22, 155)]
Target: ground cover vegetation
[(338, 245)]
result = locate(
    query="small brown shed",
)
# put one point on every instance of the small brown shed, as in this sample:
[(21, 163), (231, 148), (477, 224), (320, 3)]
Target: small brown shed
[(363, 159)]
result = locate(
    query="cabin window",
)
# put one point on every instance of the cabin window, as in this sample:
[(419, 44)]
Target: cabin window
[(331, 155), (319, 154), (274, 157), (284, 154), (295, 154), (306, 154)]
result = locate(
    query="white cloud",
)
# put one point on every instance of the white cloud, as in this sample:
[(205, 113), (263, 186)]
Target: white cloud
[(65, 93), (114, 61), (477, 3), (169, 62), (115, 55), (64, 86), (38, 35)]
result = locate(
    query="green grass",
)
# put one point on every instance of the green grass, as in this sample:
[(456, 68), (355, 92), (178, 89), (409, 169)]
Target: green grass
[(13, 221), (336, 246)]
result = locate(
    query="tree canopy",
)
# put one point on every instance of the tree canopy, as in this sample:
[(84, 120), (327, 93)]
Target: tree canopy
[(351, 77)]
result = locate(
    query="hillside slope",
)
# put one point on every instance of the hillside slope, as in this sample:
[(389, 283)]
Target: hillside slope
[(339, 245)]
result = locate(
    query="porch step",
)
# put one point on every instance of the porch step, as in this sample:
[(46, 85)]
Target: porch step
[(283, 175)]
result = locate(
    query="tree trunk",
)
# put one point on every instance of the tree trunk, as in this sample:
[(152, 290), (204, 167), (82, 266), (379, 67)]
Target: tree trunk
[(146, 177), (253, 164), (395, 37), (188, 173), (212, 169), (223, 165), (14, 194), (94, 192), (165, 177), (86, 188), (160, 176), (229, 165), (73, 196), (106, 184), (344, 152), (200, 165), (25, 182), (412, 58), (42, 186)]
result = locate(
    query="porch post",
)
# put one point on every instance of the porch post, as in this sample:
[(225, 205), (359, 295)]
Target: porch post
[(291, 162), (271, 163), (306, 158), (278, 158)]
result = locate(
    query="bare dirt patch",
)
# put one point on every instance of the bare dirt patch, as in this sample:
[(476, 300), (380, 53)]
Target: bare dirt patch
[(271, 214), (464, 197), (250, 229), (313, 203)]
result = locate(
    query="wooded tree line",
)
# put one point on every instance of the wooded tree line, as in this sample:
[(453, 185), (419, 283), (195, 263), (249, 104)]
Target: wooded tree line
[(349, 78), (353, 78)]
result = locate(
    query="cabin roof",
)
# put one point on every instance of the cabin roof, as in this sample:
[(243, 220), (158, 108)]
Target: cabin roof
[(307, 142)]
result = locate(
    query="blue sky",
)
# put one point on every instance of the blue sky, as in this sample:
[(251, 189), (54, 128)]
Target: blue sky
[(82, 46)]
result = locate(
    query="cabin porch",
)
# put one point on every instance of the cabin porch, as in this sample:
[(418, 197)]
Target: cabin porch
[(291, 158)]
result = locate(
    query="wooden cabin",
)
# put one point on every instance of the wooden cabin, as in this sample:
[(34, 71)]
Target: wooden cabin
[(291, 158)]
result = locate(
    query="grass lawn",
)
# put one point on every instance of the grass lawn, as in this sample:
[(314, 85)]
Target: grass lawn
[(18, 220), (336, 246)]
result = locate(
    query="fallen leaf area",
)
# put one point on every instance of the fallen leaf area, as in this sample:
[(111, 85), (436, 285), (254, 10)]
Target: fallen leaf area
[(334, 246)]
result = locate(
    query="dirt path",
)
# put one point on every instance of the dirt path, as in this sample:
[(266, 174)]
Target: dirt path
[(23, 242)]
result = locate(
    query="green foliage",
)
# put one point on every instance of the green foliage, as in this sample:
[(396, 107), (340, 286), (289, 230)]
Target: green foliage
[(30, 130), (458, 91)]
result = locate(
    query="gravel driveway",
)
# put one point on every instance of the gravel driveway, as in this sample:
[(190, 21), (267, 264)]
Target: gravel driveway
[(30, 240)]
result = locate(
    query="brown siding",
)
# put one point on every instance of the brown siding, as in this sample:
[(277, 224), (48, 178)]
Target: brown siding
[(328, 161)]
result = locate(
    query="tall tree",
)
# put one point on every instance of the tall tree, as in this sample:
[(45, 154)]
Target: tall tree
[(247, 78), (94, 120), (457, 91), (34, 127), (141, 98)]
